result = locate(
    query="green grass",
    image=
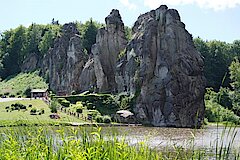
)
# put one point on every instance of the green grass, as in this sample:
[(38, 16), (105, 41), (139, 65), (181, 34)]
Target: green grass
[(15, 117), (18, 84), (80, 143)]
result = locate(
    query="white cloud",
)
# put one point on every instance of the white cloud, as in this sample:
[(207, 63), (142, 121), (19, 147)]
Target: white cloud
[(210, 4), (128, 4)]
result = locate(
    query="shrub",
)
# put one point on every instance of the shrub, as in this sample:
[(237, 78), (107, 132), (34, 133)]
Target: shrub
[(53, 106), (60, 100), (65, 103), (33, 110), (27, 92), (99, 119), (6, 93), (93, 113), (30, 105), (18, 106), (42, 111), (106, 119), (11, 95), (79, 110)]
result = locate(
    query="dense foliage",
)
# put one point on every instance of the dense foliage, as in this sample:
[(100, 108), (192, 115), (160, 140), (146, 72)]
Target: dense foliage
[(218, 57)]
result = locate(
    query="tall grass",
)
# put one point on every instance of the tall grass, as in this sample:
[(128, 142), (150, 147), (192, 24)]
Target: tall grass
[(80, 143)]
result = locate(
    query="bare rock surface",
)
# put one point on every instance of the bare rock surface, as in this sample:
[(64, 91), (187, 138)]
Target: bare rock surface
[(110, 41), (164, 70), (159, 66), (65, 61)]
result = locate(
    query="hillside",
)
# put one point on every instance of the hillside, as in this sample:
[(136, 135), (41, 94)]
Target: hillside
[(19, 84)]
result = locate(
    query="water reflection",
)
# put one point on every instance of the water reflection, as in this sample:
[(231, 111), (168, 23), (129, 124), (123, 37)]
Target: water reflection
[(155, 137)]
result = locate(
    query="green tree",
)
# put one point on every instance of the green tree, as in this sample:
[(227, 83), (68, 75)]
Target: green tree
[(217, 57), (235, 77), (89, 35), (51, 32)]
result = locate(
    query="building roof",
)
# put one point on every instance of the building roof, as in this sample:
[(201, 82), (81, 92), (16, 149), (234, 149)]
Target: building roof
[(38, 90)]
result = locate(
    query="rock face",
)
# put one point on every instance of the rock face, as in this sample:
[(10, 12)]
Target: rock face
[(31, 63), (65, 61), (160, 66), (110, 41), (164, 70)]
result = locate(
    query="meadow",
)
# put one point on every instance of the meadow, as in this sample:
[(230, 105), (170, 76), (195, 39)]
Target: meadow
[(23, 117)]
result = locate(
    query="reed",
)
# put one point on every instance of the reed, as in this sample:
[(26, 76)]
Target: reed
[(91, 143)]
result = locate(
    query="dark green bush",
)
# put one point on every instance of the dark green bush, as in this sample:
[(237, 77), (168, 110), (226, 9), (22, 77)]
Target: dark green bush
[(79, 110), (6, 93), (27, 92), (42, 111), (106, 119), (65, 103), (33, 110), (93, 113), (60, 100), (11, 95), (17, 106), (99, 119)]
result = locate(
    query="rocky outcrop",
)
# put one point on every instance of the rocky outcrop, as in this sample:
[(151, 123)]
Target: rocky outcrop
[(110, 41), (164, 71), (65, 61), (159, 67), (31, 63)]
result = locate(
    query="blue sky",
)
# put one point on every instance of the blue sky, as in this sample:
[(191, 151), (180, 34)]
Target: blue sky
[(208, 19)]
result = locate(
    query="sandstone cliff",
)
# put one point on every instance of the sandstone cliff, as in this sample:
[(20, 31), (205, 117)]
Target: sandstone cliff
[(164, 69), (65, 61), (160, 66), (110, 41)]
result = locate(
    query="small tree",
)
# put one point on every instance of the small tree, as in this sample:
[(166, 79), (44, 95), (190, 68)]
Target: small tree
[(53, 106)]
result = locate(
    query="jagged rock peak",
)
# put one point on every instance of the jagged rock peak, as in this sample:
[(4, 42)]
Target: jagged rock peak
[(114, 18), (110, 41), (164, 71)]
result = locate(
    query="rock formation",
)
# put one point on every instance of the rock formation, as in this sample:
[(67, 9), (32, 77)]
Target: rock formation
[(65, 61), (31, 63), (160, 66), (110, 41), (164, 70)]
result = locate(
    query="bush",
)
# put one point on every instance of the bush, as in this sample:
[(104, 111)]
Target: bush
[(42, 111), (27, 92), (11, 95), (30, 105), (33, 110), (79, 110), (99, 119), (65, 103), (106, 119), (53, 106), (60, 100), (18, 106), (93, 113), (6, 93)]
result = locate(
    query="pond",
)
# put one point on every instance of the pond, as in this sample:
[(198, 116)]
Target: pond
[(157, 137)]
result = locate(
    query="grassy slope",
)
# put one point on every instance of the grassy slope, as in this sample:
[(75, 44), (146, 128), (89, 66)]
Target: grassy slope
[(15, 116), (18, 84)]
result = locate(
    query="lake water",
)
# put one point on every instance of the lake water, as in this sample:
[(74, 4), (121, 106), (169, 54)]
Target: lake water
[(157, 137)]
